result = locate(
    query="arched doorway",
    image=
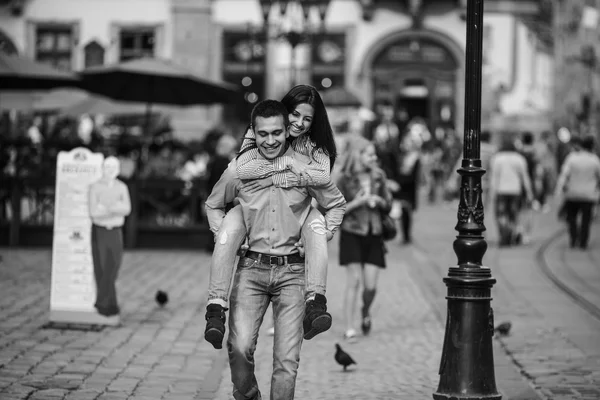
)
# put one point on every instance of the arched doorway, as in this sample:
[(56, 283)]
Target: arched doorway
[(419, 72)]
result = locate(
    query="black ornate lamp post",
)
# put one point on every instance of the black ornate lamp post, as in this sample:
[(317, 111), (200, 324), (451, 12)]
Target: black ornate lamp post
[(467, 365), (293, 23)]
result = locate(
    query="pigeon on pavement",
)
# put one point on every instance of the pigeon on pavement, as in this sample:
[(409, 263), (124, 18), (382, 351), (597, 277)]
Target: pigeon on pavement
[(503, 329), (342, 357), (161, 298)]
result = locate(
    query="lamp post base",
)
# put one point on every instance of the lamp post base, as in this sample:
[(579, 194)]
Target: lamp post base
[(438, 396), (467, 365)]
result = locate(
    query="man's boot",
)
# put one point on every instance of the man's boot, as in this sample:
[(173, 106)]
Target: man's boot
[(316, 317), (215, 325)]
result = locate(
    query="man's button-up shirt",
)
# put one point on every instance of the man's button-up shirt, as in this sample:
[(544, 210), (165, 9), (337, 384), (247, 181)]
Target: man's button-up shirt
[(274, 215)]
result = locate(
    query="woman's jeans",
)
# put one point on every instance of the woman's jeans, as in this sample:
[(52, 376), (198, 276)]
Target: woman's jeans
[(231, 235), (255, 285)]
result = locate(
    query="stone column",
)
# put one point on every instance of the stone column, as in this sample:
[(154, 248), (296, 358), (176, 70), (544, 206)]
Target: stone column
[(194, 44)]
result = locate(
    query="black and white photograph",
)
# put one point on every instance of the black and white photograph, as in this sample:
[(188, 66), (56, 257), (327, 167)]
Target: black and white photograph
[(299, 199)]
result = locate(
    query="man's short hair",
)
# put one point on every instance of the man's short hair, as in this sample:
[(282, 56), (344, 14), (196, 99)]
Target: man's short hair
[(269, 108), (588, 142)]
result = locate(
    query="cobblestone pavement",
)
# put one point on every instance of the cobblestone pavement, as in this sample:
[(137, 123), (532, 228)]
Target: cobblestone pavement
[(156, 353), (399, 359), (160, 353), (555, 342)]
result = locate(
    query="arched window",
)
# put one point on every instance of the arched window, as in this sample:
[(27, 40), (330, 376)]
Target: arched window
[(6, 44), (94, 54)]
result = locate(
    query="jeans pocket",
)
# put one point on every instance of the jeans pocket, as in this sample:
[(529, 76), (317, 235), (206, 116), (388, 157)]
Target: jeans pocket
[(246, 262), (296, 268)]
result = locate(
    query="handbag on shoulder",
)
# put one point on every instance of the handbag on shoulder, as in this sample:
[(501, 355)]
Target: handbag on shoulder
[(388, 227)]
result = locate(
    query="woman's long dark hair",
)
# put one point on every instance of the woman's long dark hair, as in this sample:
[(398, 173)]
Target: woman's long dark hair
[(320, 132)]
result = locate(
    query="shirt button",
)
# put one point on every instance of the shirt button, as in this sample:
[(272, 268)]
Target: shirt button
[(273, 210), (273, 229)]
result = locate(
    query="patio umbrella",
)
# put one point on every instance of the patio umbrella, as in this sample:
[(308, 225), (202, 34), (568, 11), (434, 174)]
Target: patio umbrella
[(152, 80), (19, 73), (340, 97)]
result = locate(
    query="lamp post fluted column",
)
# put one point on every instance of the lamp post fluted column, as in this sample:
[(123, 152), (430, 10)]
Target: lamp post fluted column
[(467, 364)]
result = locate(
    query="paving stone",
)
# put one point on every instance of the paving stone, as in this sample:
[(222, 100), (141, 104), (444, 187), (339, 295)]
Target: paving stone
[(84, 394), (123, 385), (19, 389), (48, 394)]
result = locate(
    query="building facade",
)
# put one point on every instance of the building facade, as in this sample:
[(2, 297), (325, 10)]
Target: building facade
[(409, 53), (75, 34), (577, 34)]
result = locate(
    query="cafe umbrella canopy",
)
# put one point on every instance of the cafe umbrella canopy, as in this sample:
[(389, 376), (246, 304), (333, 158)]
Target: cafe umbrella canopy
[(155, 81), (19, 73), (21, 79)]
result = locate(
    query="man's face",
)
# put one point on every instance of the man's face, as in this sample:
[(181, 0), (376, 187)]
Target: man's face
[(271, 134)]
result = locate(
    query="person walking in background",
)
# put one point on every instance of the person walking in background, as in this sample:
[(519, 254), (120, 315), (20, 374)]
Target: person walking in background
[(109, 204), (579, 185), (526, 214), (509, 185), (546, 169), (408, 177), (386, 137), (310, 135), (362, 250), (271, 270)]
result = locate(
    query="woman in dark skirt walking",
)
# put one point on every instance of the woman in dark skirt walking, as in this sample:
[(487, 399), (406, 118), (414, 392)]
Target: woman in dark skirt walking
[(362, 250)]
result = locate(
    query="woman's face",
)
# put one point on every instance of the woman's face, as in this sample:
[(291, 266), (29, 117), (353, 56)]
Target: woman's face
[(368, 157), (301, 119)]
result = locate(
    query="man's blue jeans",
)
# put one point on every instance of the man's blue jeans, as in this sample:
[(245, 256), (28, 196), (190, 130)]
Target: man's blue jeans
[(254, 285), (231, 235)]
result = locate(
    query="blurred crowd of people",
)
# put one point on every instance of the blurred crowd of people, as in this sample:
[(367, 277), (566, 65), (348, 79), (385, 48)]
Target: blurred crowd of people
[(33, 151), (522, 174)]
